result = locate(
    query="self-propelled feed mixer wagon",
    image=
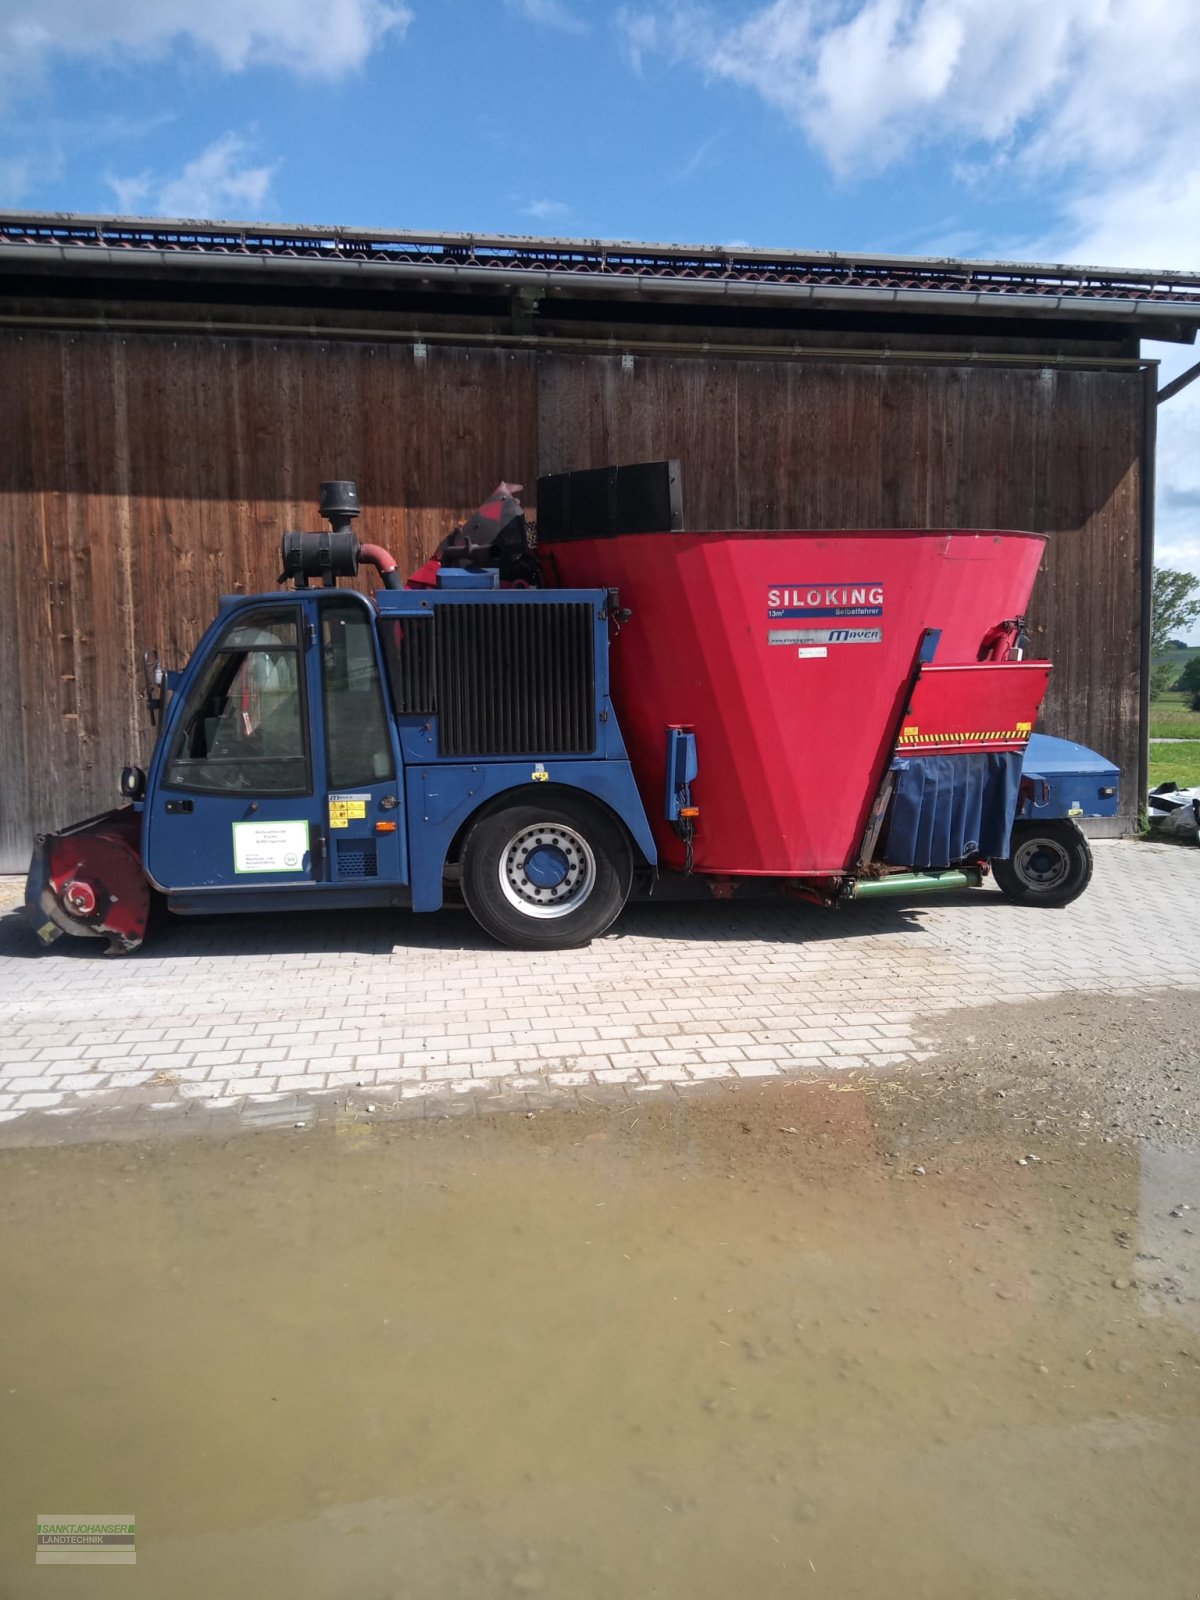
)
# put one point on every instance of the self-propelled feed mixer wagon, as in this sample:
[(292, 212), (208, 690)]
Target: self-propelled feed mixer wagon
[(542, 728)]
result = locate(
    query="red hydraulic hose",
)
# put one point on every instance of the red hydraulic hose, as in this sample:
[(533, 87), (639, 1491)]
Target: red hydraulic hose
[(376, 556)]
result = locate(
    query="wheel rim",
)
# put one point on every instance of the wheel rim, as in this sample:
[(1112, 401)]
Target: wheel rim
[(547, 870), (1043, 864)]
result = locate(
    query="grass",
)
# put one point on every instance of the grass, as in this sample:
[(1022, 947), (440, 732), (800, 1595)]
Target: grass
[(1172, 718), (1175, 763)]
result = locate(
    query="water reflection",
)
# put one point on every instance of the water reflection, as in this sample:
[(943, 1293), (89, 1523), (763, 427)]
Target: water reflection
[(1167, 1268), (799, 1342)]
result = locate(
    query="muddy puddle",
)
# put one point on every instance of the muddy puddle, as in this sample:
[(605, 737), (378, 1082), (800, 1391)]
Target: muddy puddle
[(738, 1348)]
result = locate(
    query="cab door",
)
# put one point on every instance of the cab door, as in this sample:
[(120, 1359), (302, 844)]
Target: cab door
[(278, 763), (233, 800), (358, 752)]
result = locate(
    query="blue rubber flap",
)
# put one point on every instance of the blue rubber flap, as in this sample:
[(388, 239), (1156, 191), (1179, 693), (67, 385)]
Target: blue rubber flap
[(952, 808)]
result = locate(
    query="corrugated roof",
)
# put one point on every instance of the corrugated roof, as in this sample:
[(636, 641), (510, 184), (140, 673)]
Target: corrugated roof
[(588, 266)]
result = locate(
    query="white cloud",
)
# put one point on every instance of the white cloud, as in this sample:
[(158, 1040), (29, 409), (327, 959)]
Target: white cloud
[(869, 82), (550, 14), (316, 38), (1100, 99), (1177, 518), (1152, 217), (38, 149), (221, 183), (23, 171), (699, 157), (642, 35), (1091, 107), (546, 210)]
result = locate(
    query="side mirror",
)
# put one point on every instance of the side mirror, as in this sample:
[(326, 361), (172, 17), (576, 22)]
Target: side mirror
[(155, 680)]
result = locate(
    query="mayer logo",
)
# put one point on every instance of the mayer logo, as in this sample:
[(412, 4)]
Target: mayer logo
[(816, 601)]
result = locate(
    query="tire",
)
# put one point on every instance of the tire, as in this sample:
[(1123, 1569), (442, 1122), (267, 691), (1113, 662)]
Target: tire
[(545, 875), (1049, 864)]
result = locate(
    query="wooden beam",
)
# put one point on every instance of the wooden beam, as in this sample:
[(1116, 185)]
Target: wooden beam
[(1169, 390)]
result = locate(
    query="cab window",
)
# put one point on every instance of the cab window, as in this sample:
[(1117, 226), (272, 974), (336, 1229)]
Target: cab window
[(356, 729), (243, 726)]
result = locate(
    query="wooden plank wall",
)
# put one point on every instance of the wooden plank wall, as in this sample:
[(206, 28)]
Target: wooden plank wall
[(147, 475), (144, 475)]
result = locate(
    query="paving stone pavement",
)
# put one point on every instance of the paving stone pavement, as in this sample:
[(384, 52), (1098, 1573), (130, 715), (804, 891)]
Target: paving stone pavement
[(270, 1018)]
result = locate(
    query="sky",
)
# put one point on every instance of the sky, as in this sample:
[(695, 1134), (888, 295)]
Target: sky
[(1022, 129)]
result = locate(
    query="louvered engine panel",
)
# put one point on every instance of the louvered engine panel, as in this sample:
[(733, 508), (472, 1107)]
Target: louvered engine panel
[(408, 650), (516, 679)]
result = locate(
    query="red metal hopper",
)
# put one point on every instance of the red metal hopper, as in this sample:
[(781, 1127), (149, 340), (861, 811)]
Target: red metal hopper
[(794, 657)]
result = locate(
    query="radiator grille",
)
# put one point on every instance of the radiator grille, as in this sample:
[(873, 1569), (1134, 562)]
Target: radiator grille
[(516, 679), (409, 651), (356, 858)]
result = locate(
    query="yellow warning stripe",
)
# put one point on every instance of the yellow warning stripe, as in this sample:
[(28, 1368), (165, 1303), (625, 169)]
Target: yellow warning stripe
[(913, 736)]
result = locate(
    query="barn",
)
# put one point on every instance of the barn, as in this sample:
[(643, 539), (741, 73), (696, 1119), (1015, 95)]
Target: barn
[(174, 392)]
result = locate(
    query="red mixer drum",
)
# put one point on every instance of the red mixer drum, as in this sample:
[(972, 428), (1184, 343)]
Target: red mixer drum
[(792, 656)]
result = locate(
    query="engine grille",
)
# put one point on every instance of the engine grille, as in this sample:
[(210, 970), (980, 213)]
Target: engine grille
[(503, 679), (515, 679), (408, 649)]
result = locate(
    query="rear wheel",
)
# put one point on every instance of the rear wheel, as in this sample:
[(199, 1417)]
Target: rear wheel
[(1049, 864), (545, 876)]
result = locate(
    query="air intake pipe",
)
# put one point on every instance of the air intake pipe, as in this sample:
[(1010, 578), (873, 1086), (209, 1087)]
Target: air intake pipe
[(336, 554)]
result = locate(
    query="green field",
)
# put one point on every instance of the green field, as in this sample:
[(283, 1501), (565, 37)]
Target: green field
[(1175, 763), (1172, 718), (1178, 656)]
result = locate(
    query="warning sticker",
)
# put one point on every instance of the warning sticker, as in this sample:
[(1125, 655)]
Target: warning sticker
[(347, 808), (269, 846)]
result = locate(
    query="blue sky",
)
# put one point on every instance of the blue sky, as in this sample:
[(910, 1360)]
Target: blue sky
[(968, 127)]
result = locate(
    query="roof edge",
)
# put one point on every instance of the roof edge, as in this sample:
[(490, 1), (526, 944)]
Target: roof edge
[(629, 269), (338, 234)]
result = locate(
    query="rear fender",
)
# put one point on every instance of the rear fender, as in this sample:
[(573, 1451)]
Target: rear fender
[(1060, 778)]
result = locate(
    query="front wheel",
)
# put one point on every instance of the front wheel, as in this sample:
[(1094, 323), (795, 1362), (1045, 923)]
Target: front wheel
[(546, 876), (1049, 864)]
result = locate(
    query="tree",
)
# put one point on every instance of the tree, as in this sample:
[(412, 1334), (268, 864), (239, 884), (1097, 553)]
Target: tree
[(1175, 605), (1189, 678)]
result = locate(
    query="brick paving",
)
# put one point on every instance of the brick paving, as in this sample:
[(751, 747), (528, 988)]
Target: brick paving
[(271, 1018)]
